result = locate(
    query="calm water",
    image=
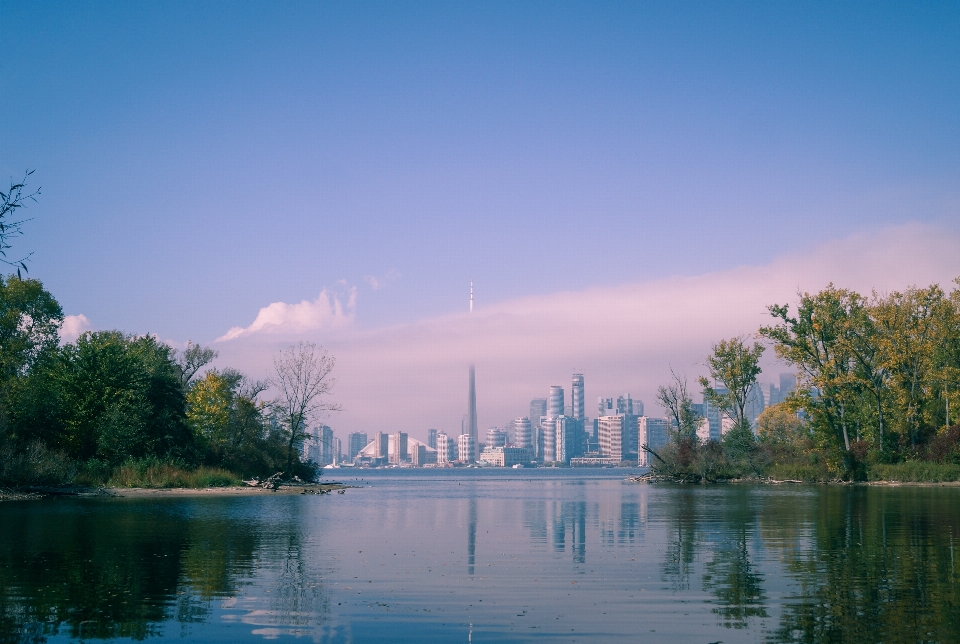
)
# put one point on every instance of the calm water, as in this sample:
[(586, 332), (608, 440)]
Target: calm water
[(490, 556)]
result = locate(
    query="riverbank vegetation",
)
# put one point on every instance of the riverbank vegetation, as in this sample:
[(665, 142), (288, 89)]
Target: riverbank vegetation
[(877, 378), (125, 410)]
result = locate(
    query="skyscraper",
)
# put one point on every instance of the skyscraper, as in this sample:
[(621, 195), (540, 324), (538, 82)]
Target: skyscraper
[(445, 448), (522, 433), (576, 397), (555, 402), (466, 448), (432, 438), (356, 441), (496, 437), (538, 408), (548, 431)]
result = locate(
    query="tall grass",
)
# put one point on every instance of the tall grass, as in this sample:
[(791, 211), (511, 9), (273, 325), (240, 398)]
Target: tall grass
[(914, 472), (169, 475)]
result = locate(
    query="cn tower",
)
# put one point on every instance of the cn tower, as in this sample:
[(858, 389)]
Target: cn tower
[(472, 395)]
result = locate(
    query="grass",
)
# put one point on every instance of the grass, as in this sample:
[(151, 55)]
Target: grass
[(154, 473), (798, 472), (915, 472)]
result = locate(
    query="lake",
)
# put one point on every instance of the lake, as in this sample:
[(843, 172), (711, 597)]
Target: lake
[(489, 556)]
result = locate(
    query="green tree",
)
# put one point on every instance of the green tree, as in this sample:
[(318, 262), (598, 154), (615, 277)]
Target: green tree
[(736, 366), (121, 398)]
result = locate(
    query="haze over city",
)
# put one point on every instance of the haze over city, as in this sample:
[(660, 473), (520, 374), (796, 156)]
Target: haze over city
[(626, 185)]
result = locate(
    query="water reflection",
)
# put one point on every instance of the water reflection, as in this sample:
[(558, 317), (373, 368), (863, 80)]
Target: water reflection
[(107, 570), (471, 533)]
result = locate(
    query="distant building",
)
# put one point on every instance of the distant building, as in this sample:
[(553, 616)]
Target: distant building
[(399, 453), (548, 433), (418, 455), (445, 449), (522, 433), (381, 446), (605, 407), (466, 448), (356, 441), (327, 446), (576, 397), (505, 456), (653, 432), (496, 437), (555, 402), (432, 438), (569, 439), (611, 430), (538, 408)]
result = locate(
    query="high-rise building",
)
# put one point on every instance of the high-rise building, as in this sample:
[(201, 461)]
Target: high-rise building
[(548, 432), (568, 442), (755, 404), (382, 447), (399, 454), (327, 445), (356, 441), (576, 397), (418, 454), (445, 448), (432, 438), (555, 401), (788, 382), (653, 432), (522, 433), (538, 408), (605, 407), (611, 430), (624, 404), (496, 437), (466, 448)]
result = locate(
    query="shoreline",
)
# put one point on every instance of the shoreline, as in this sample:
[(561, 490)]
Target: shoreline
[(38, 493)]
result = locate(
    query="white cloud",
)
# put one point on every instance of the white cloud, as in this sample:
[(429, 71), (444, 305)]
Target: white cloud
[(377, 283), (328, 311), (623, 338), (73, 326)]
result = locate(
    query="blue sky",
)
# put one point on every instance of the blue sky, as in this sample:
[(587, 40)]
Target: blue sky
[(200, 161)]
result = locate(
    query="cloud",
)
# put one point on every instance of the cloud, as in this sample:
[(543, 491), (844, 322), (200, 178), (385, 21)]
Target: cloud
[(623, 338), (326, 312), (73, 326), (377, 283)]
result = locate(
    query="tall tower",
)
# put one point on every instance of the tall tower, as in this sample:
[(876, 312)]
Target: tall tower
[(472, 397)]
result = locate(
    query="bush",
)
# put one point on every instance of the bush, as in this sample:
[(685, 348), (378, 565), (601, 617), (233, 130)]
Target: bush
[(35, 465), (808, 473), (915, 472), (153, 473)]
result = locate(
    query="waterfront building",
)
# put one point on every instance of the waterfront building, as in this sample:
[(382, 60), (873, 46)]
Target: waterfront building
[(555, 402), (381, 446), (399, 453), (569, 438), (466, 448), (418, 455), (432, 438), (576, 398), (522, 433), (653, 432), (611, 429), (327, 445), (356, 441), (496, 437), (548, 435), (505, 456), (445, 448)]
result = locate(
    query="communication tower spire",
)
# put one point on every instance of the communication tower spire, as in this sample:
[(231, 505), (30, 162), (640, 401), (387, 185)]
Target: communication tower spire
[(471, 296)]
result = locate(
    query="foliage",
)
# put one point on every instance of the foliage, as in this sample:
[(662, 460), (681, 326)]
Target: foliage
[(10, 226), (878, 375), (736, 366), (154, 473), (34, 465), (914, 472), (676, 400)]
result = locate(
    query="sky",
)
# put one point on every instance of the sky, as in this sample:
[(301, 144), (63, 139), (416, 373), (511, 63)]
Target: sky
[(625, 183)]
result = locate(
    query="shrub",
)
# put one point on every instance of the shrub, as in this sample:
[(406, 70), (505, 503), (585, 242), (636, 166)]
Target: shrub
[(35, 465), (915, 472)]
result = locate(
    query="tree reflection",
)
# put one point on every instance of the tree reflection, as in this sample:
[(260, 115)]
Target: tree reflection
[(880, 566), (103, 570)]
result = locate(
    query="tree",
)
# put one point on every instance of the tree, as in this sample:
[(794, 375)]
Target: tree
[(736, 366), (675, 399), (302, 379), (191, 360), (11, 201)]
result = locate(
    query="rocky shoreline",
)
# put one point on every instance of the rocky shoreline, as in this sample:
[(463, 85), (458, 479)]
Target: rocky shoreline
[(37, 493)]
